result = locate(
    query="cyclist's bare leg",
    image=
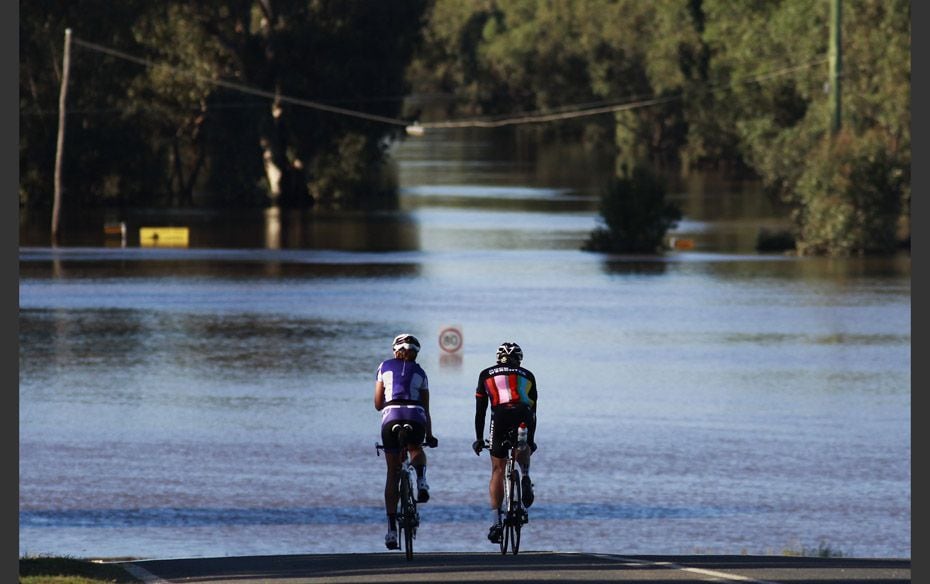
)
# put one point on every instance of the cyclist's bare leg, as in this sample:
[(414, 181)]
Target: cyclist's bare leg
[(390, 483), (417, 455), (496, 496), (496, 485)]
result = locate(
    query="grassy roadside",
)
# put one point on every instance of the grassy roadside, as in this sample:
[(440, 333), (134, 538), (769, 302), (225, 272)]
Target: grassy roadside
[(70, 571)]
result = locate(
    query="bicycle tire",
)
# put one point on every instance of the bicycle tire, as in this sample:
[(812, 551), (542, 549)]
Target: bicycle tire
[(408, 543), (503, 536), (508, 504), (407, 514), (516, 508)]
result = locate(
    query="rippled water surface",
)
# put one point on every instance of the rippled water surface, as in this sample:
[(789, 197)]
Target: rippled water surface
[(217, 400)]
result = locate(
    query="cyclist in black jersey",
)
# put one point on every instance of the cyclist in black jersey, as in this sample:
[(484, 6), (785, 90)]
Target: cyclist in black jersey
[(511, 391)]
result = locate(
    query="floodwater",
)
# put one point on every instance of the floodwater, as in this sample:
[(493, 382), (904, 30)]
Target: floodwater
[(216, 400)]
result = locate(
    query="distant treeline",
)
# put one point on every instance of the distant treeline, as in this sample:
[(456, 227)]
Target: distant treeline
[(737, 85)]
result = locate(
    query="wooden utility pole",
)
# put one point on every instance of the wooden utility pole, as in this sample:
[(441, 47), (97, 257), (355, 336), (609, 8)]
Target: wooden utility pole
[(59, 153), (836, 64)]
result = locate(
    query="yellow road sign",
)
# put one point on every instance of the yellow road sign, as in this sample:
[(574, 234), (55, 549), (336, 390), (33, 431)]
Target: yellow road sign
[(163, 236)]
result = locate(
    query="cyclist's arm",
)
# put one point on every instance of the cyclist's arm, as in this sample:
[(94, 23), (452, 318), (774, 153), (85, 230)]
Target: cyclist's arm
[(379, 395), (481, 407), (424, 400), (531, 429)]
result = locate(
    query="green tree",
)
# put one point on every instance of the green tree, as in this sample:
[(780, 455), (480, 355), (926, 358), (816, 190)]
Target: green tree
[(784, 125), (447, 63), (179, 100), (736, 84), (527, 55), (318, 51), (851, 196), (514, 57), (107, 159), (176, 121)]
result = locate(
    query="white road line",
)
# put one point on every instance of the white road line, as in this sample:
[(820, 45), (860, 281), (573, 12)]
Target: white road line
[(674, 566), (724, 575), (143, 574)]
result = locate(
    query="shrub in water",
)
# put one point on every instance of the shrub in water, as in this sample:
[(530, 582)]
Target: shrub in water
[(635, 214)]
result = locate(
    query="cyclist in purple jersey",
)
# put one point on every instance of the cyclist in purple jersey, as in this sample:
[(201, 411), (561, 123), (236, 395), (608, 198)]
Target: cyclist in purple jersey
[(402, 395), (511, 391)]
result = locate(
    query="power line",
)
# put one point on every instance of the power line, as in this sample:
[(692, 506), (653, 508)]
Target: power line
[(244, 88), (550, 117), (584, 111), (417, 128)]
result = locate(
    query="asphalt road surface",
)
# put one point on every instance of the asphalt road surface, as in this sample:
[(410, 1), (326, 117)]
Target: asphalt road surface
[(525, 567)]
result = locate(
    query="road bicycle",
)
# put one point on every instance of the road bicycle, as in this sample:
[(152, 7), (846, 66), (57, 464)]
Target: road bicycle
[(513, 513), (408, 518)]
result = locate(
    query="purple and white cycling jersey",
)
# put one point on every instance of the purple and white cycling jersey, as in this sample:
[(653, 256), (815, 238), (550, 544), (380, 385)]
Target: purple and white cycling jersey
[(403, 381)]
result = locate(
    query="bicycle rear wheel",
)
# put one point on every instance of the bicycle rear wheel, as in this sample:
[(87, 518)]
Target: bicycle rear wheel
[(408, 513)]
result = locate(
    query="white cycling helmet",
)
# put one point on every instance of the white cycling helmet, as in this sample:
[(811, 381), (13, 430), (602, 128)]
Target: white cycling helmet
[(406, 341), (509, 353)]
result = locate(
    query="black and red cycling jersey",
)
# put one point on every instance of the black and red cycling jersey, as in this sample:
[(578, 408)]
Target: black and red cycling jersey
[(507, 385), (511, 392)]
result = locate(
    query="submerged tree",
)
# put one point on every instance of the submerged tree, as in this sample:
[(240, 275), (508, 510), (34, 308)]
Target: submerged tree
[(851, 198), (635, 213), (850, 190), (157, 102), (300, 52), (733, 84), (107, 155)]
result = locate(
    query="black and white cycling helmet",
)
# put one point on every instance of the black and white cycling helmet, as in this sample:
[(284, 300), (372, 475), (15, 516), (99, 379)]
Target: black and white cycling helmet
[(406, 341), (509, 353)]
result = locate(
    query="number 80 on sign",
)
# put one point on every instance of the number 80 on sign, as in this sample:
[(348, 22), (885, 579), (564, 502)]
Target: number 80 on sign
[(450, 339)]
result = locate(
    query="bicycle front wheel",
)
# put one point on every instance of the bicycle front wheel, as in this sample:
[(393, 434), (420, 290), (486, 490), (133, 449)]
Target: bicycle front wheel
[(505, 537), (516, 511), (508, 505), (511, 486), (408, 542)]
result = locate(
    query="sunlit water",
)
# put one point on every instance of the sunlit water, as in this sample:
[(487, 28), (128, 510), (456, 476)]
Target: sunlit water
[(217, 400)]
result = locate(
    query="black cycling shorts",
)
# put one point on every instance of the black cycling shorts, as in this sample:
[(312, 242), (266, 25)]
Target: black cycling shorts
[(389, 437), (505, 420)]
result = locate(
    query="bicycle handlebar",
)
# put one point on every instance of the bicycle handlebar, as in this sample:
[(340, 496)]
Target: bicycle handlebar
[(510, 441)]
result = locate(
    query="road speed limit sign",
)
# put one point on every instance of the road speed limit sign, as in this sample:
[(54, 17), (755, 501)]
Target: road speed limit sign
[(450, 339)]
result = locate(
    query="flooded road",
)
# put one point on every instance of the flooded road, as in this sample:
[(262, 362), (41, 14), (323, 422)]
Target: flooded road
[(216, 399)]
